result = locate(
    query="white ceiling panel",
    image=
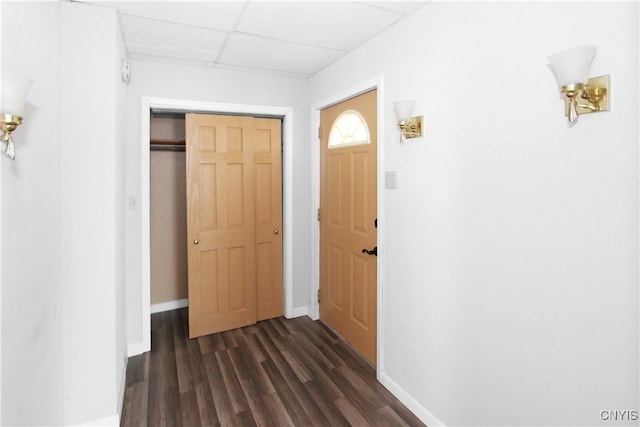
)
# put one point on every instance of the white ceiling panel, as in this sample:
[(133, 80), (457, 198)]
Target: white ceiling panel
[(219, 15), (259, 71), (202, 56), (296, 38), (403, 7), (261, 53), (164, 59), (340, 25), (141, 34)]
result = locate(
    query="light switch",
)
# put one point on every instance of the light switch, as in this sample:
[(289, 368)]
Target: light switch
[(391, 180)]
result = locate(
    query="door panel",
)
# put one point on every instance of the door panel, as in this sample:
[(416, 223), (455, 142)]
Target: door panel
[(359, 202), (268, 206), (348, 201), (359, 282), (221, 230), (334, 276), (234, 211)]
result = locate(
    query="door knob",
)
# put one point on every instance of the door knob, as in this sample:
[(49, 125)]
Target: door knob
[(373, 251), (275, 231), (195, 242)]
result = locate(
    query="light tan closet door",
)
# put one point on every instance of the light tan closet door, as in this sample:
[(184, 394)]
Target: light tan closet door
[(221, 223), (234, 211), (268, 192)]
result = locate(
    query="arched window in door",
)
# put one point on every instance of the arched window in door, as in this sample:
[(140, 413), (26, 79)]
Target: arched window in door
[(349, 129)]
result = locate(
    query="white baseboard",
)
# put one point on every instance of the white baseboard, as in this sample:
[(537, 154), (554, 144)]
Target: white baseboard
[(420, 411), (139, 348), (110, 421), (169, 305), (135, 349), (299, 312)]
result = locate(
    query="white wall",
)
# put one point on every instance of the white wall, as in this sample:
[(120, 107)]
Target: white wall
[(200, 84), (92, 208), (63, 345), (32, 385), (511, 245), (119, 121)]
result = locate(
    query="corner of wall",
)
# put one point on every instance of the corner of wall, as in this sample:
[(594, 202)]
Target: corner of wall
[(403, 396), (298, 312)]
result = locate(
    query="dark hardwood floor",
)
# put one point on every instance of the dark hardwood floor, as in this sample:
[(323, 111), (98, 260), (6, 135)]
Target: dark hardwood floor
[(277, 373)]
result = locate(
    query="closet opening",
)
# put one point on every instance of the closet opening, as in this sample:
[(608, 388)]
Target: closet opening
[(168, 211), (175, 269), (176, 108)]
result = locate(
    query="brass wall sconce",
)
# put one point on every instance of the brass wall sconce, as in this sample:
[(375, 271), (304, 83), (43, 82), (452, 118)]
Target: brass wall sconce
[(410, 127), (582, 94), (14, 94)]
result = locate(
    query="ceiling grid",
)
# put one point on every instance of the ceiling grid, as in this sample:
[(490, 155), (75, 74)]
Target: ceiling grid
[(292, 38)]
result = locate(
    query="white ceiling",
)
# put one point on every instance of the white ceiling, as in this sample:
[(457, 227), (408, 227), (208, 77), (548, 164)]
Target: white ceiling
[(294, 38)]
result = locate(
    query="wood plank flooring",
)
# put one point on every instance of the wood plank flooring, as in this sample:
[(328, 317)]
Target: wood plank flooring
[(277, 373)]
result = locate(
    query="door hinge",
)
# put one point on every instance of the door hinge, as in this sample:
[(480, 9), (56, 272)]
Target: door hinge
[(319, 133), (319, 214), (318, 296)]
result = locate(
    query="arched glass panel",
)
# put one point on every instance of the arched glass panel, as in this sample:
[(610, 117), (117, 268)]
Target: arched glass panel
[(349, 129)]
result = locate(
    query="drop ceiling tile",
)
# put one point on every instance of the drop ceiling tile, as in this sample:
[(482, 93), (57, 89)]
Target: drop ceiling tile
[(154, 58), (142, 34), (296, 38), (168, 52), (260, 53), (221, 15), (340, 25), (258, 71), (404, 7)]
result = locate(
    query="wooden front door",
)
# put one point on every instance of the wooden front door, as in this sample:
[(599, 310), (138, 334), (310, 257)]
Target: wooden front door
[(348, 220), (234, 194)]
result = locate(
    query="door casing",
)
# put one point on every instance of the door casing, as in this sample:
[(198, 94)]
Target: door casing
[(314, 311), (169, 104)]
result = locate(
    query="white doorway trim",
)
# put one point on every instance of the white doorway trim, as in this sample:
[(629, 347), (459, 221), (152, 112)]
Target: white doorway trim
[(375, 83), (287, 174)]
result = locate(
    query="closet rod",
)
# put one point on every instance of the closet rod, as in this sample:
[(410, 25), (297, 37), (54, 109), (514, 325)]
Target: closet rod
[(166, 147)]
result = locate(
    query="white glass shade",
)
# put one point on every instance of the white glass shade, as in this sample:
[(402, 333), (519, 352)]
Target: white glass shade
[(404, 109), (14, 93), (572, 65)]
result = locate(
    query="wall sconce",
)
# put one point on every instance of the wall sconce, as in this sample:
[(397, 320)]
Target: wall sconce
[(410, 127), (582, 94), (14, 94)]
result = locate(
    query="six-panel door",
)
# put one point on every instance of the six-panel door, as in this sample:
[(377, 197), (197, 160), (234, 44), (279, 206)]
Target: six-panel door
[(348, 202), (234, 211)]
